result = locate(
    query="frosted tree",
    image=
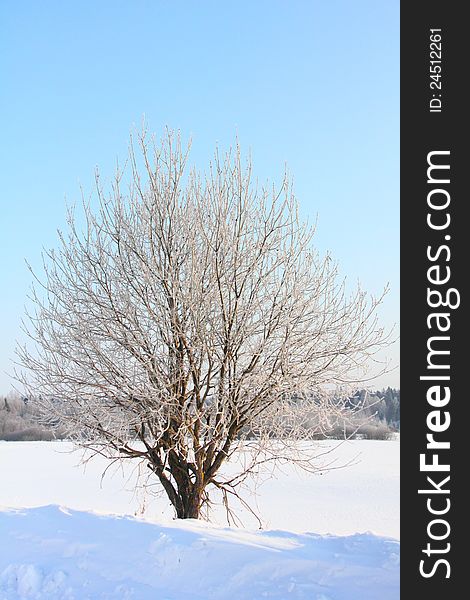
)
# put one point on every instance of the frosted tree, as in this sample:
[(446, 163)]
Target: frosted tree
[(189, 316)]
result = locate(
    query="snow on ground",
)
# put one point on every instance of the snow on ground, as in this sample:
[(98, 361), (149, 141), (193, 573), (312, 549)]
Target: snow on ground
[(55, 553), (361, 497), (59, 554)]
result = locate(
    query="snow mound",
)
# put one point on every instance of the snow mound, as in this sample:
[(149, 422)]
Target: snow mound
[(62, 554)]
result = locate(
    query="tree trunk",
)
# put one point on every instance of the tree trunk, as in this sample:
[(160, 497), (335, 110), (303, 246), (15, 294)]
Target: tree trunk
[(189, 506), (185, 496)]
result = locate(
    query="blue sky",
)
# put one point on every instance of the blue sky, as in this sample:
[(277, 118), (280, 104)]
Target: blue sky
[(309, 83)]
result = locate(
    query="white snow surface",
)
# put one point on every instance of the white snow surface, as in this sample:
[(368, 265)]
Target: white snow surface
[(126, 545)]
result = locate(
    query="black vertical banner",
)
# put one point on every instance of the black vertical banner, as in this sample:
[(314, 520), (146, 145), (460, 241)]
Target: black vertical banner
[(435, 255)]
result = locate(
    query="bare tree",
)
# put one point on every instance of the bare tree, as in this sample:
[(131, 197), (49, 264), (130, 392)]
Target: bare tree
[(188, 316)]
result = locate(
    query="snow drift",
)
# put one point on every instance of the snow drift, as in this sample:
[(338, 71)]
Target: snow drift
[(58, 554)]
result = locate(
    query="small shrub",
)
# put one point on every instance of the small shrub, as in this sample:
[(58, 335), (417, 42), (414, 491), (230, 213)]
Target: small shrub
[(375, 431)]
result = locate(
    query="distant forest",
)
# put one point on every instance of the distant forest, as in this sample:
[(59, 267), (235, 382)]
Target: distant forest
[(374, 415), (384, 404), (19, 420)]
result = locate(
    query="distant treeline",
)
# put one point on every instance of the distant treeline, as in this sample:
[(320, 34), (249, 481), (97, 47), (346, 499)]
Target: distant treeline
[(384, 404), (20, 422), (374, 415)]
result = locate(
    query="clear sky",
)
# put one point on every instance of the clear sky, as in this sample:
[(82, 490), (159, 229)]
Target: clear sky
[(310, 83)]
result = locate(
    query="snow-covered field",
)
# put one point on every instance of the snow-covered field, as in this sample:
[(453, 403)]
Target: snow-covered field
[(48, 551)]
